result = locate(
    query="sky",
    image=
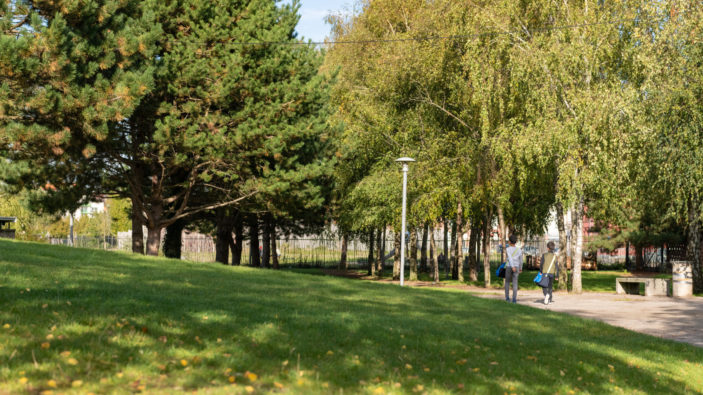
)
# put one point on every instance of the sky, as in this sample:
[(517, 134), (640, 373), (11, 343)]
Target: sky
[(312, 17)]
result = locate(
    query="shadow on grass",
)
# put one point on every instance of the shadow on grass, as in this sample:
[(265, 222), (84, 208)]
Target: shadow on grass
[(143, 317)]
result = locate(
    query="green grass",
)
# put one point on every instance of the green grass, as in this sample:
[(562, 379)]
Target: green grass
[(591, 280), (78, 321)]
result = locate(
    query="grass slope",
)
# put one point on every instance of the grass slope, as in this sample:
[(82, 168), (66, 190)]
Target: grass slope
[(78, 321)]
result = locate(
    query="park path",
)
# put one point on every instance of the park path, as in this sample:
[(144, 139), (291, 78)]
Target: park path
[(670, 318), (679, 319)]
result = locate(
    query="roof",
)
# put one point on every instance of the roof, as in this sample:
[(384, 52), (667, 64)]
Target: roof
[(8, 219)]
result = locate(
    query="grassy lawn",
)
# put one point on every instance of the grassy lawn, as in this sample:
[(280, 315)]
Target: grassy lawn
[(78, 321)]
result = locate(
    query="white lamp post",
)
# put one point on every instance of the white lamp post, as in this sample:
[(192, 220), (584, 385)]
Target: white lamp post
[(404, 161)]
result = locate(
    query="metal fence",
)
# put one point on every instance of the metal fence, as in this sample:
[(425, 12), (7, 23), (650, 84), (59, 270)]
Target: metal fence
[(300, 252), (326, 252)]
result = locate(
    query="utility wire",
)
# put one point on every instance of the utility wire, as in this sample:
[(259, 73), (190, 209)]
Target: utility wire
[(451, 37)]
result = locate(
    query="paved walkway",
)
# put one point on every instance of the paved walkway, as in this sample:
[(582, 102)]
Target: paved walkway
[(669, 318)]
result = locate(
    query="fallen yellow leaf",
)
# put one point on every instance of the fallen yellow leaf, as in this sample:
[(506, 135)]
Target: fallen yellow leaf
[(76, 383), (251, 376), (51, 383), (65, 353), (23, 380), (379, 390), (280, 386), (231, 379), (249, 389), (45, 345), (72, 361), (330, 352), (6, 326), (408, 366), (184, 362)]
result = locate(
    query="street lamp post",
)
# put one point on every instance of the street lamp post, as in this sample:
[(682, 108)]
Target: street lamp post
[(404, 161)]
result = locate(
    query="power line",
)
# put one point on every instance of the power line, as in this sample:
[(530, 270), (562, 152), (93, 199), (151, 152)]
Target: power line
[(451, 37)]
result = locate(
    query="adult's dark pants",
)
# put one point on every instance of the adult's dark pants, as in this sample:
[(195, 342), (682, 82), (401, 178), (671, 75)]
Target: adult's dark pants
[(548, 289)]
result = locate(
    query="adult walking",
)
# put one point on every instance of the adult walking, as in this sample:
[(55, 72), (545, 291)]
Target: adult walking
[(513, 268), (548, 266)]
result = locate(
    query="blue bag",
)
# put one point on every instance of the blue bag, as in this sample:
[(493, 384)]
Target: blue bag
[(538, 278), (500, 272)]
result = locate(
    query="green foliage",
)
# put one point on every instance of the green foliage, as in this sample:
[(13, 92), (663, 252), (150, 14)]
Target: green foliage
[(177, 326), (120, 211), (162, 104), (29, 224)]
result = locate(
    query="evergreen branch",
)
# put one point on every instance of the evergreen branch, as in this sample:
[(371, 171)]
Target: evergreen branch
[(199, 209)]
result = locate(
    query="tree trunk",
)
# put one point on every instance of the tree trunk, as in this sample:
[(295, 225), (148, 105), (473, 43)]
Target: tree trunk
[(153, 240), (578, 248), (473, 273), (423, 248), (452, 259), (694, 245), (273, 249), (412, 275), (343, 258), (266, 242), (639, 258), (561, 254), (173, 239), (460, 243), (137, 231), (396, 256), (238, 239), (445, 245), (501, 234), (486, 249), (223, 236), (479, 263), (383, 248), (254, 257), (379, 252), (433, 256), (372, 264)]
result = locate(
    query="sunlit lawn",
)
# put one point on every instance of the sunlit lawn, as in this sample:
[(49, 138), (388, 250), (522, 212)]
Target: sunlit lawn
[(79, 321), (592, 280)]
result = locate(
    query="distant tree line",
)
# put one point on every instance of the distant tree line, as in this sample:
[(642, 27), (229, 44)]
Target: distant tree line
[(513, 111)]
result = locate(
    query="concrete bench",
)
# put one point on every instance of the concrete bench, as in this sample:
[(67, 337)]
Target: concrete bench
[(652, 286)]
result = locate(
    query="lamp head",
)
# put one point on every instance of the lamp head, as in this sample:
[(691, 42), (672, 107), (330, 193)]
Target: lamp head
[(405, 160)]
